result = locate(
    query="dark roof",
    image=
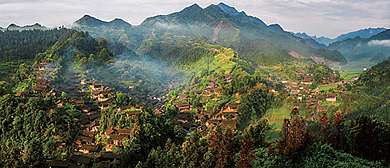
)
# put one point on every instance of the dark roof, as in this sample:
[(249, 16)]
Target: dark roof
[(124, 131), (183, 96), (133, 112), (73, 165), (226, 124), (109, 131), (125, 107), (107, 155), (90, 147), (59, 163), (118, 137), (80, 159)]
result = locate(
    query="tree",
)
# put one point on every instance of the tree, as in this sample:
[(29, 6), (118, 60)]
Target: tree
[(34, 154), (293, 137), (370, 137), (122, 99), (255, 104)]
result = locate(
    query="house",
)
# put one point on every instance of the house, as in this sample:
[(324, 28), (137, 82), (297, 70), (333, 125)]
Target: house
[(295, 89), (97, 86), (80, 160), (79, 102), (133, 113), (128, 107), (118, 139), (227, 114), (39, 67), (228, 77), (124, 131), (182, 107), (315, 101), (104, 96), (315, 118), (321, 97), (331, 97), (41, 81), (183, 117), (107, 157), (95, 94), (228, 124), (59, 164), (198, 92), (183, 96), (210, 123), (198, 117), (321, 108), (91, 127), (87, 133), (217, 90), (59, 103), (45, 61), (84, 140), (89, 149), (104, 105), (108, 132)]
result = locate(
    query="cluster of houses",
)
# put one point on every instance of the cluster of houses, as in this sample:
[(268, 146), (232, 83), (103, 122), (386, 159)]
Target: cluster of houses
[(226, 117)]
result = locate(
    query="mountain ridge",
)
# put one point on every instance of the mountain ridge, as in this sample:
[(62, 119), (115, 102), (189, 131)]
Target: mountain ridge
[(37, 26), (363, 33), (88, 20)]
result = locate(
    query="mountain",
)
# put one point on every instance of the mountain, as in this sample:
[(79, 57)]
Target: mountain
[(240, 15), (90, 21), (362, 33), (115, 30), (375, 48), (35, 26), (223, 24), (1, 29)]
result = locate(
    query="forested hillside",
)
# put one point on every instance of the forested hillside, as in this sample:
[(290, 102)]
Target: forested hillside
[(374, 49), (17, 47)]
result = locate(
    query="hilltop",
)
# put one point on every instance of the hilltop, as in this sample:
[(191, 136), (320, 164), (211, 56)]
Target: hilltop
[(35, 26)]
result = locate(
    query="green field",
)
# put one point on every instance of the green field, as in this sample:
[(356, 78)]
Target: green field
[(272, 135), (353, 69), (276, 124), (327, 87), (327, 103), (278, 113)]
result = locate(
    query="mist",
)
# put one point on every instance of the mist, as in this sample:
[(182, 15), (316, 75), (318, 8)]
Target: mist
[(385, 43)]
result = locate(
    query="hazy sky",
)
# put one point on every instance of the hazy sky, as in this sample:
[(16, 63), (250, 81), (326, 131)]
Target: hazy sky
[(316, 17)]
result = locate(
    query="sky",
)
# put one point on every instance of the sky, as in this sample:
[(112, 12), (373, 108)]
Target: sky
[(328, 18)]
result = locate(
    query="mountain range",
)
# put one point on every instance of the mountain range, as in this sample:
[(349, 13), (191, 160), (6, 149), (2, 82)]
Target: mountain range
[(27, 27), (362, 33), (222, 24), (374, 49)]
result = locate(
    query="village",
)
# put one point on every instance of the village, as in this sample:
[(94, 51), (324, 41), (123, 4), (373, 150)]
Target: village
[(91, 98)]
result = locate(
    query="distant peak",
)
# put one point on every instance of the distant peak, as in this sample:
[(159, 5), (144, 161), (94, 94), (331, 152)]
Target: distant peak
[(87, 16), (228, 9), (195, 5), (13, 25)]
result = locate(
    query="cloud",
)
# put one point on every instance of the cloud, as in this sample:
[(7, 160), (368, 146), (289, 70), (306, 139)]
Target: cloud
[(385, 43)]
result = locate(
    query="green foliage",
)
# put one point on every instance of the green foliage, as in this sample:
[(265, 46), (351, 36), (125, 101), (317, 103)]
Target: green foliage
[(26, 44), (254, 104), (322, 155)]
